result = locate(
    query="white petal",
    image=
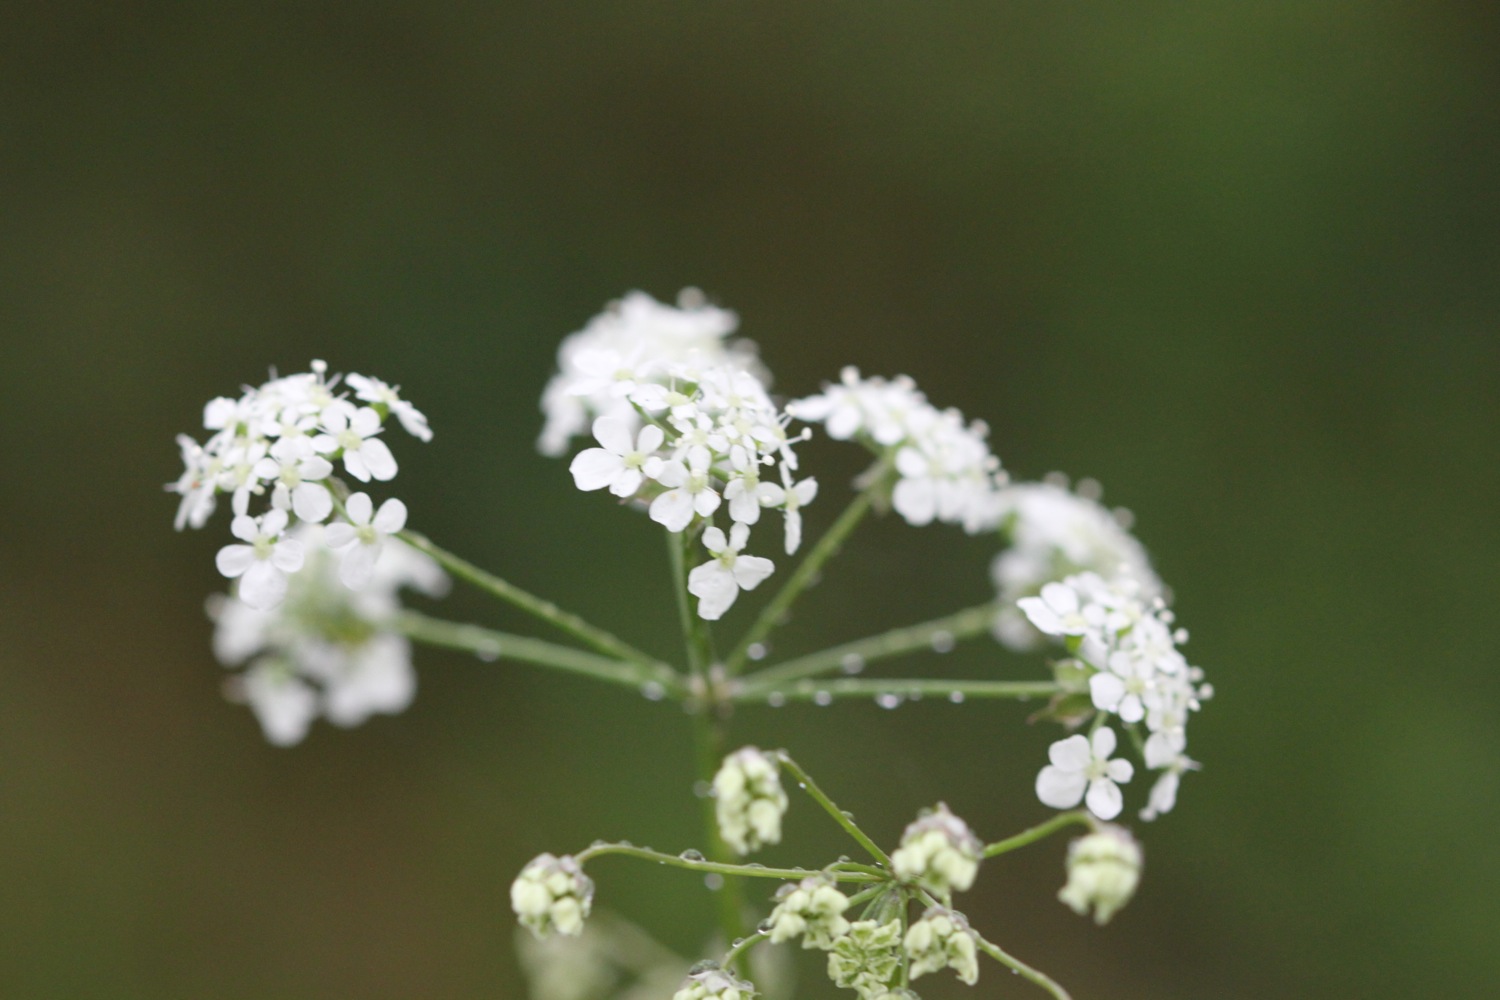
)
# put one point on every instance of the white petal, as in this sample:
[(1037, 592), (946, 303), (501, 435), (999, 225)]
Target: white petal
[(793, 531), (355, 466), (1104, 799), (379, 460), (360, 508), (595, 468), (1107, 690), (284, 706), (365, 422), (1131, 709), (739, 534), (263, 586), (626, 483), (312, 503), (749, 571), (338, 535), (359, 565), (233, 560), (287, 555), (1104, 743), (244, 528), (613, 433), (650, 439), (391, 517), (915, 500), (715, 588), (714, 541), (1058, 788), (1071, 754), (672, 510), (1120, 770), (706, 502)]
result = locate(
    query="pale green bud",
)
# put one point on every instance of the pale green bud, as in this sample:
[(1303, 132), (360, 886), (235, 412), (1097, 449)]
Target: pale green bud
[(938, 852), (710, 982), (749, 801), (812, 909), (1103, 871), (942, 939), (866, 957), (552, 894)]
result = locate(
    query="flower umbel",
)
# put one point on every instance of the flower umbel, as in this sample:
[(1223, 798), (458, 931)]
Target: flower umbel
[(939, 852), (866, 958), (1103, 871), (812, 909), (942, 939), (552, 894), (749, 801)]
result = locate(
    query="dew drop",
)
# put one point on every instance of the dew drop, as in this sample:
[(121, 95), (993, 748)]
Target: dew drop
[(757, 651), (691, 855), (703, 790), (714, 881), (1089, 489), (942, 641), (489, 652), (823, 698), (847, 815), (1180, 637), (888, 700), (653, 691), (775, 699), (852, 663), (914, 695), (957, 697)]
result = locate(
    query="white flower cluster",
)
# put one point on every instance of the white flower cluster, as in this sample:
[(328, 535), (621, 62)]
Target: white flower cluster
[(1054, 533), (1129, 649), (685, 426), (812, 909), (944, 466), (325, 650), (280, 441), (713, 983), (1103, 871), (942, 939), (552, 894), (939, 852), (748, 800)]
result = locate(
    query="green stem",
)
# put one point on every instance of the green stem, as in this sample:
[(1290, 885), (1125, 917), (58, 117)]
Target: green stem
[(490, 644), (715, 867), (742, 946), (1061, 821), (772, 614), (548, 612), (862, 687), (840, 817), (960, 625), (1015, 964)]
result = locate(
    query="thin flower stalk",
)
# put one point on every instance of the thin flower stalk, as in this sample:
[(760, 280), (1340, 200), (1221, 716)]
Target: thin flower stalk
[(697, 864), (1078, 817), (896, 689), (842, 818)]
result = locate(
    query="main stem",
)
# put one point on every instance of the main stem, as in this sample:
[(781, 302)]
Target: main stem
[(708, 739)]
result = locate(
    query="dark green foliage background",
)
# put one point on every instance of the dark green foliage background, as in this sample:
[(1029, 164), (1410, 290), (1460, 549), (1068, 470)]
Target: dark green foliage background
[(1238, 261)]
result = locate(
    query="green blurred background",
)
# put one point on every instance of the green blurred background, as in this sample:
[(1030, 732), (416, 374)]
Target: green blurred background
[(1237, 261)]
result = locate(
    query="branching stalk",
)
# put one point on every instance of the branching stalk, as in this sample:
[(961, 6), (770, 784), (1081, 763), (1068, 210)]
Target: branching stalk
[(840, 817)]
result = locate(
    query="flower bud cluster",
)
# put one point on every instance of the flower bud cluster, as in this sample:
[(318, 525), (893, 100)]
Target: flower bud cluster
[(942, 939), (1054, 533), (280, 443), (685, 427), (324, 650), (713, 983), (938, 852), (552, 894), (749, 800), (1103, 871), (1136, 672), (866, 958), (945, 471), (812, 909)]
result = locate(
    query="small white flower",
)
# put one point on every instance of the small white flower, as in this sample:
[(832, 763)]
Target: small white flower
[(295, 469), (1103, 870), (791, 499), (1058, 611), (939, 852), (718, 583), (361, 538), (552, 894), (263, 563), (1080, 765), (748, 800), (689, 491), (372, 390), (283, 704), (620, 463), (812, 909), (942, 939), (365, 456), (1163, 795)]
